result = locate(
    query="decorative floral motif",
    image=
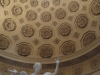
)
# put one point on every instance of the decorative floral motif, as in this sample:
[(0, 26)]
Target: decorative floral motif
[(17, 10), (95, 64), (68, 47), (46, 51), (76, 34), (36, 41), (4, 2), (9, 24), (81, 21), (4, 42), (60, 13), (46, 32), (73, 6), (56, 41), (31, 15), (23, 49), (15, 37), (56, 2), (64, 29), (45, 3), (95, 8), (33, 3), (78, 71), (46, 16), (27, 31), (5, 71), (88, 38)]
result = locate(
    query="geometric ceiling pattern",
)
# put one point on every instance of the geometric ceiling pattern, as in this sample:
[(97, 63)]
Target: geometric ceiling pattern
[(48, 28)]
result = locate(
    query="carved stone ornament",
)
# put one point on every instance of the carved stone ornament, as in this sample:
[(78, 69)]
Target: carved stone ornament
[(46, 16), (56, 2), (88, 38), (4, 42), (81, 21), (4, 2), (31, 15), (27, 31), (95, 64), (23, 49), (46, 32), (73, 6), (95, 7), (5, 71), (46, 51), (60, 13), (64, 29), (45, 3), (17, 10), (68, 47), (78, 71), (33, 3), (9, 24)]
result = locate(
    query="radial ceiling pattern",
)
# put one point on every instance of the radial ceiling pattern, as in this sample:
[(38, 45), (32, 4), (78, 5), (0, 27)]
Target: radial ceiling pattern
[(48, 28)]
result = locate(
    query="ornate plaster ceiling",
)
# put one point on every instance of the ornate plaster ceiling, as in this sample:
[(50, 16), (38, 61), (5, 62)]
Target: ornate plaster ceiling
[(40, 30)]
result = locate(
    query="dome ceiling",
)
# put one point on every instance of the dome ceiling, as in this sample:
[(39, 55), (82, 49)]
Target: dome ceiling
[(40, 29)]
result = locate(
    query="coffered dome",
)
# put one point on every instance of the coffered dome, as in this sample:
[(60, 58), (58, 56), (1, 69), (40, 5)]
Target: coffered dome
[(42, 30)]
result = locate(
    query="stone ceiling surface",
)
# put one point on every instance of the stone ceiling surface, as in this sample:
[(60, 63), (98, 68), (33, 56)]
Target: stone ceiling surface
[(40, 30)]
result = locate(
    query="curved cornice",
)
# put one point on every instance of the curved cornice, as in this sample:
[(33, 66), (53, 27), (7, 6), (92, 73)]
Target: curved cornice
[(84, 57), (51, 60)]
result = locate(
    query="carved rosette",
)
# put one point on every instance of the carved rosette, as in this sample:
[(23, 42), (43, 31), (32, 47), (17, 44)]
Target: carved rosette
[(46, 32), (5, 71), (4, 42), (17, 10), (60, 13), (68, 47), (46, 51), (27, 31), (88, 38), (56, 2), (95, 7), (4, 2), (31, 15), (64, 29), (95, 64), (45, 3), (9, 24), (46, 16), (73, 6), (33, 3), (78, 71), (24, 49), (81, 21)]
